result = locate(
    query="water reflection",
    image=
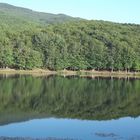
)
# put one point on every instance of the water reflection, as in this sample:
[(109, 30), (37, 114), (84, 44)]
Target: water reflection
[(25, 97)]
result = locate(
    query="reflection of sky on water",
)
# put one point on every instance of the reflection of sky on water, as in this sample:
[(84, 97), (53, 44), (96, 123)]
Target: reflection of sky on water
[(123, 128)]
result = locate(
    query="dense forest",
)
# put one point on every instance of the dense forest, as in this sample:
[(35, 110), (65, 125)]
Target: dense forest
[(31, 40)]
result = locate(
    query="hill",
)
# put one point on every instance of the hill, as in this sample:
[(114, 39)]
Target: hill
[(27, 14), (28, 40)]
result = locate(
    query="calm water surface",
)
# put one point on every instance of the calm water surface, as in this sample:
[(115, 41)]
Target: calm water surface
[(72, 107)]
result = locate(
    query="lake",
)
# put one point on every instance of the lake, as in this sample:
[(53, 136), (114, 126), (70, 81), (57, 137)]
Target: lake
[(70, 108)]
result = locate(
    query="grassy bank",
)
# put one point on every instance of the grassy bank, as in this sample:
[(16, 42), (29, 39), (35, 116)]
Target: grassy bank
[(26, 72), (81, 73), (84, 73)]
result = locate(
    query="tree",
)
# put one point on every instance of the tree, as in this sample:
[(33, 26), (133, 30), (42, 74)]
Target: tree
[(6, 56)]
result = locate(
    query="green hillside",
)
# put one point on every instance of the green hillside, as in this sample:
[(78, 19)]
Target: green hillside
[(26, 43), (27, 14)]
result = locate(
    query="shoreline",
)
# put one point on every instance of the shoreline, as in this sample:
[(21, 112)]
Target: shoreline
[(26, 72), (65, 73)]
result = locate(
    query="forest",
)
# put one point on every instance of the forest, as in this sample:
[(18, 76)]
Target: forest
[(74, 44)]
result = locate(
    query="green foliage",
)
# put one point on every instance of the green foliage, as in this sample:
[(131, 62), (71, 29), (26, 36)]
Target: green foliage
[(25, 58), (26, 43), (6, 56)]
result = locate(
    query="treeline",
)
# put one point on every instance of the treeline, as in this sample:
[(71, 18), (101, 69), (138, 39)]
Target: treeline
[(79, 45)]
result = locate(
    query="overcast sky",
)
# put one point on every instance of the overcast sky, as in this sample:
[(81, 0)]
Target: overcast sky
[(126, 11)]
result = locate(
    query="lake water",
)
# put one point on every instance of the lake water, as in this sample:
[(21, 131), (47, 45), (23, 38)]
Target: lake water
[(71, 108)]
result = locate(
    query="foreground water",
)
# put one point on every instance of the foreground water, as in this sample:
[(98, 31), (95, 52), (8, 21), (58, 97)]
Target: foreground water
[(70, 108)]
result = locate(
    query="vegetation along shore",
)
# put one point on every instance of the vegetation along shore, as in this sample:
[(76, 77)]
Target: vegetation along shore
[(81, 73), (73, 44)]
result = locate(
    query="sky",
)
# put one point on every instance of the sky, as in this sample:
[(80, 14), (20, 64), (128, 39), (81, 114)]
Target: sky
[(123, 11)]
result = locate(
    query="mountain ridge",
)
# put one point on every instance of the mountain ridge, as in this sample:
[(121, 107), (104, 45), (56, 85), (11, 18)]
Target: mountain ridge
[(35, 16)]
